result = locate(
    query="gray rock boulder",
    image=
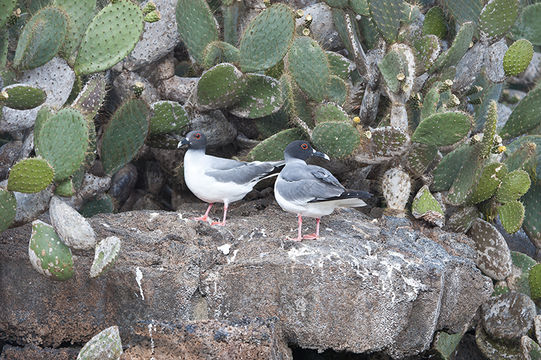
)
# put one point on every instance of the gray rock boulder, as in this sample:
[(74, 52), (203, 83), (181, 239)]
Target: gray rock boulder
[(366, 286)]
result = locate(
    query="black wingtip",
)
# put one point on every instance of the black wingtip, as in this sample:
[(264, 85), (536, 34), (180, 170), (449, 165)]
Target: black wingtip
[(359, 194)]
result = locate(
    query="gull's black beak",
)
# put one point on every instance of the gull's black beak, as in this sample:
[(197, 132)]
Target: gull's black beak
[(320, 154), (183, 141)]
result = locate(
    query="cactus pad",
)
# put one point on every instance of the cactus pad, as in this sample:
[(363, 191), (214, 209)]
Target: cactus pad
[(272, 148), (270, 125), (339, 65), (493, 255), (65, 189), (427, 49), (79, 14), (41, 38), (511, 215), (124, 135), (391, 67), (8, 209), (419, 157), (106, 345), (74, 230), (308, 65), (490, 129), (263, 96), (442, 129), (64, 153), (396, 187), (91, 98), (23, 97), (532, 220), (48, 254), (464, 10), (360, 7), (6, 8), (337, 3), (337, 90), (220, 52), (167, 117), (387, 14), (435, 23), (111, 36), (426, 207), (517, 57), (329, 112), (336, 139), (389, 141), (535, 282), (460, 45), (514, 185), (523, 157), (105, 255), (528, 26), (491, 178), (497, 17), (102, 205), (30, 176), (467, 177), (448, 168), (267, 38), (462, 220), (524, 263), (219, 87), (430, 102), (525, 116)]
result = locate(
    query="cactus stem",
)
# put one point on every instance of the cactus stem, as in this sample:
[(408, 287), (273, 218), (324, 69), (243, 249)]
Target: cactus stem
[(399, 116), (359, 57)]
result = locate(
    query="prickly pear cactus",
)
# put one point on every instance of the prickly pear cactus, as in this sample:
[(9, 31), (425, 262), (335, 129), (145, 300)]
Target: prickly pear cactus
[(24, 97), (220, 52), (517, 57), (442, 129), (462, 220), (493, 255), (220, 86), (91, 97), (329, 112), (167, 117), (497, 17), (265, 97), (460, 45), (511, 215), (490, 180), (426, 207), (336, 139), (532, 220), (106, 345), (79, 14), (71, 227), (387, 15), (525, 116), (435, 23), (514, 185), (8, 206), (272, 148), (48, 254), (105, 255), (535, 282), (30, 176), (6, 7), (396, 188)]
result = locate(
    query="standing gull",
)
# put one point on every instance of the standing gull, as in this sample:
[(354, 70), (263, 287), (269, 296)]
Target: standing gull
[(213, 179), (310, 190)]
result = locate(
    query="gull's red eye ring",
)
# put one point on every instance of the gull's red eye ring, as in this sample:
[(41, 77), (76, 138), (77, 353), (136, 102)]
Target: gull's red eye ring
[(304, 146), (197, 136)]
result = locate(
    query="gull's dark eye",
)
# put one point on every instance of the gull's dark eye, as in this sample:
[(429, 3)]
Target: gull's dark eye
[(304, 146), (197, 136)]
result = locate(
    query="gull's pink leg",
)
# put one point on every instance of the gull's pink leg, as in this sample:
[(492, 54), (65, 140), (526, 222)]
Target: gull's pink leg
[(316, 234), (206, 216), (299, 231), (223, 221)]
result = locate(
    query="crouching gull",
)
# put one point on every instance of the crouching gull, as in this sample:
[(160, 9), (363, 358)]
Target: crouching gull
[(310, 190), (213, 179)]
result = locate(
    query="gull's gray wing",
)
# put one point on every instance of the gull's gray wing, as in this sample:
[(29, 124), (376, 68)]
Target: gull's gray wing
[(301, 183), (240, 172)]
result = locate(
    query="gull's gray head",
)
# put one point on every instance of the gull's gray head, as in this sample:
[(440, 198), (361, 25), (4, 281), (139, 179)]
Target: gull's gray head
[(194, 140), (301, 150)]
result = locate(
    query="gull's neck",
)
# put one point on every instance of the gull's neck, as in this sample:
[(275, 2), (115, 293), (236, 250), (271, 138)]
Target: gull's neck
[(294, 160)]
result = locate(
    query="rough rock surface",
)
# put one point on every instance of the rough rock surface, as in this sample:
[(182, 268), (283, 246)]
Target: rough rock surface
[(34, 352), (366, 286), (508, 316)]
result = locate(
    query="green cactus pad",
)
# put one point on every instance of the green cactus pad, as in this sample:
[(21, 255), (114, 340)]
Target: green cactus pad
[(389, 141), (231, 11), (442, 129), (308, 65), (447, 170), (497, 17), (64, 153), (48, 254), (101, 205), (79, 14), (426, 207), (445, 344), (464, 10), (337, 3), (460, 45), (112, 34), (491, 178), (330, 112), (430, 102), (106, 345), (426, 50), (419, 157), (167, 117), (535, 282), (360, 7), (124, 135), (220, 52), (267, 38), (339, 65), (435, 23), (387, 14), (511, 215), (490, 129), (525, 116), (65, 188), (220, 87), (524, 157), (532, 220), (336, 139), (8, 209), (41, 38), (524, 263), (6, 9), (517, 57), (263, 96), (462, 220), (30, 176), (91, 98), (391, 66), (105, 255), (272, 124), (466, 179), (44, 114), (514, 185), (23, 97), (337, 90), (272, 148), (528, 26)]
